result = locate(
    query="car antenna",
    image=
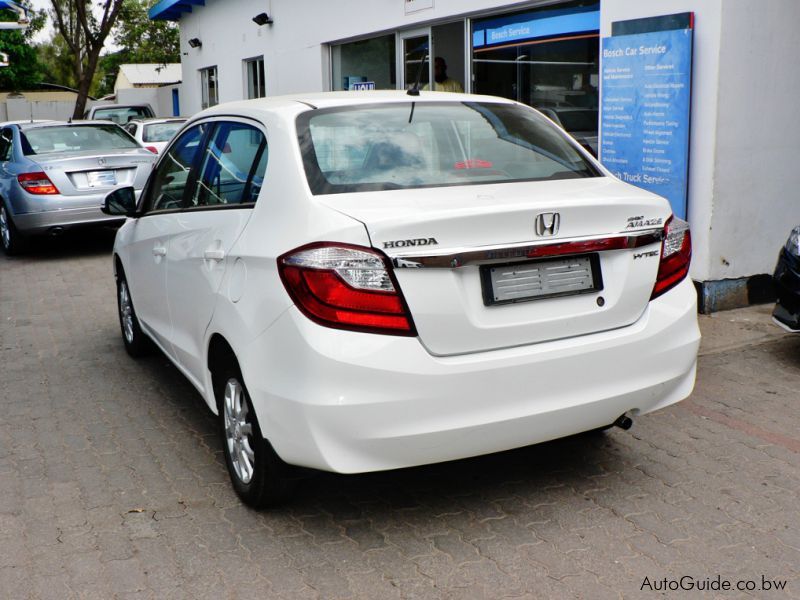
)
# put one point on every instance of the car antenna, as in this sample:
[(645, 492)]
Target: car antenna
[(414, 89)]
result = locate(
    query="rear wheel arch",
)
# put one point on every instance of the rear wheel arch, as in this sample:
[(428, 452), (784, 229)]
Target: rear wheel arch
[(220, 356), (269, 480)]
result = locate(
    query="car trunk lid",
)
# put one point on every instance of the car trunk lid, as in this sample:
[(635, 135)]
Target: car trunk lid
[(455, 248), (90, 171)]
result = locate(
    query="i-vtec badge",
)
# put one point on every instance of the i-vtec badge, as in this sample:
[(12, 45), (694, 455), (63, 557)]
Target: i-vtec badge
[(639, 221), (408, 243)]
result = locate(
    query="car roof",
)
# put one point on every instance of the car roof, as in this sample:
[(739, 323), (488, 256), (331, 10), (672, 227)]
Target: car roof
[(22, 122), (27, 125), (344, 99), (134, 105), (151, 120)]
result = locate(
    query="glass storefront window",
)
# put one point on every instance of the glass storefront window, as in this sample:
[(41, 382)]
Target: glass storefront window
[(546, 58), (416, 56), (365, 60)]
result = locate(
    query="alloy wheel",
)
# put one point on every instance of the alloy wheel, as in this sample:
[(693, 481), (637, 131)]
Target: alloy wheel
[(5, 227), (126, 311), (238, 431)]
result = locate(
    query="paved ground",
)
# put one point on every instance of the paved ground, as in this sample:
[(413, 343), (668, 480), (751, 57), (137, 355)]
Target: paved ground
[(112, 482)]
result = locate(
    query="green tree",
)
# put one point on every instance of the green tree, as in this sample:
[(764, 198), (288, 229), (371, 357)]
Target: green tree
[(84, 26), (24, 70), (57, 64), (142, 40), (139, 40)]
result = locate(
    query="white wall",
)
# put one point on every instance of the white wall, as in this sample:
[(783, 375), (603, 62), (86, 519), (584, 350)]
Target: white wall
[(757, 177), (296, 59), (705, 77), (160, 98)]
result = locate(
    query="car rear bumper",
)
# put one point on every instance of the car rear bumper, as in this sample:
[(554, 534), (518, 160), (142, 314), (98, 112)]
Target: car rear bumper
[(47, 221), (353, 402)]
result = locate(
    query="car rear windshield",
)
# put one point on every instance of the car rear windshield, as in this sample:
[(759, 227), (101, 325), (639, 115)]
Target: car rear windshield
[(161, 132), (124, 114), (75, 138), (419, 144)]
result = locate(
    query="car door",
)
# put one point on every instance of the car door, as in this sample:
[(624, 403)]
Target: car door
[(230, 175), (161, 203)]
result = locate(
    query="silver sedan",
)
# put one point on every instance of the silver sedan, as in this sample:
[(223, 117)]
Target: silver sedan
[(54, 176)]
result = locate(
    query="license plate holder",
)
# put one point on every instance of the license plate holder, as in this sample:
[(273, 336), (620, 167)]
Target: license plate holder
[(101, 178), (527, 281)]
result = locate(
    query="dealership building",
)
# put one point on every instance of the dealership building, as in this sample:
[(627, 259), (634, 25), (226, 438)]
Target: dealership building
[(697, 95)]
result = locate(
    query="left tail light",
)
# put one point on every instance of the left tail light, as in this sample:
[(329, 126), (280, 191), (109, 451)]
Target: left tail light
[(37, 183), (676, 255), (346, 287)]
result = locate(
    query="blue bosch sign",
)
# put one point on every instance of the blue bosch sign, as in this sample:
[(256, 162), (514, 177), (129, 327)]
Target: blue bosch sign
[(533, 25), (645, 98)]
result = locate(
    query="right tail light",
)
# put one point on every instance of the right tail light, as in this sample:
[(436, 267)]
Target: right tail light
[(676, 255)]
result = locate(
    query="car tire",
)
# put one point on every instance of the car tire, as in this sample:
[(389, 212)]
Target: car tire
[(12, 240), (259, 477), (137, 344)]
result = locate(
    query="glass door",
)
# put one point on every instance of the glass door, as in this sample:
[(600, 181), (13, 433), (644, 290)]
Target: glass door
[(414, 57)]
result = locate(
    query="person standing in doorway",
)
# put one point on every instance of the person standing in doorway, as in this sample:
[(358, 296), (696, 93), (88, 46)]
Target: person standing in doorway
[(441, 82)]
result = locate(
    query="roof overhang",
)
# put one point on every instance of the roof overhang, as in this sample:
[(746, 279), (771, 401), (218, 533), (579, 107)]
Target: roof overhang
[(171, 10)]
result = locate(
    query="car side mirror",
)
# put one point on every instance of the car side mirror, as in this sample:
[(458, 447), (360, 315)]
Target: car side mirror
[(120, 202)]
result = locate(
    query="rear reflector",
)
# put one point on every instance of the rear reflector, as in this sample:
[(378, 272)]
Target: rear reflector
[(345, 287), (37, 183), (676, 256)]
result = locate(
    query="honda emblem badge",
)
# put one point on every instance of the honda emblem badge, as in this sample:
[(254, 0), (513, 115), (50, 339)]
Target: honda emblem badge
[(547, 224)]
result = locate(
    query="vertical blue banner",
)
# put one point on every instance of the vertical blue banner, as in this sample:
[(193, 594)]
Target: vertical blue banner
[(645, 102)]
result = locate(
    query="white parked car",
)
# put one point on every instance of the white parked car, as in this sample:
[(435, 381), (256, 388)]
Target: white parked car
[(154, 134), (367, 281)]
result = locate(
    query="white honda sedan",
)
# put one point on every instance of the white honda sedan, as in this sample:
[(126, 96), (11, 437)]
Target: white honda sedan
[(366, 281)]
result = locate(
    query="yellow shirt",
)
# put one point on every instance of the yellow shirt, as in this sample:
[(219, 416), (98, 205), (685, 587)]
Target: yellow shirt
[(448, 85)]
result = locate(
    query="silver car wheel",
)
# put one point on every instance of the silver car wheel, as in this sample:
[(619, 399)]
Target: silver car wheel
[(5, 227), (126, 311), (238, 432)]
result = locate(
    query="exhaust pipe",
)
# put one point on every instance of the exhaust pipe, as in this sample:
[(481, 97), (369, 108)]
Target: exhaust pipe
[(624, 422), (55, 231)]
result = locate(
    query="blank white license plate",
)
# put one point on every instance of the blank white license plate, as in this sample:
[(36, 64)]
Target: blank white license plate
[(101, 178), (541, 279)]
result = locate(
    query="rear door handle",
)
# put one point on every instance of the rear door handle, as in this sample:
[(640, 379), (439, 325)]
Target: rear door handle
[(159, 251), (214, 254)]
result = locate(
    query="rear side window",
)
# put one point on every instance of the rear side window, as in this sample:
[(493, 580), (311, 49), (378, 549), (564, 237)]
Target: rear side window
[(122, 115), (160, 132), (6, 138), (74, 138), (232, 167), (419, 144)]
